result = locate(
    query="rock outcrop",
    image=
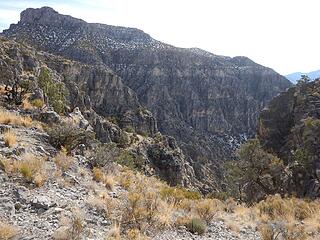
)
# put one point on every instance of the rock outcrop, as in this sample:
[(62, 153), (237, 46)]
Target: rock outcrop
[(209, 103), (100, 102), (290, 128)]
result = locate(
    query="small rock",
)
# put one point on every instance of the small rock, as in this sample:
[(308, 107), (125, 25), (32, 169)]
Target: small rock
[(42, 202)]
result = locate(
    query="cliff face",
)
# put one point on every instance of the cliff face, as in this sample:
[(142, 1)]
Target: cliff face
[(101, 96), (290, 128), (209, 103)]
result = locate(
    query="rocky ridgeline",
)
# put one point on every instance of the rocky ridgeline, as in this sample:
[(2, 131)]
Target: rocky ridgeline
[(209, 103)]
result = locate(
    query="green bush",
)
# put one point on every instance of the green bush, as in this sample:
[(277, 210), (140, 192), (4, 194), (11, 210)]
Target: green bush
[(196, 225), (68, 136), (55, 91), (178, 194), (129, 129), (38, 103), (124, 140), (130, 160)]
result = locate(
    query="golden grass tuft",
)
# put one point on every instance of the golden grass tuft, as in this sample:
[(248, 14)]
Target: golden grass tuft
[(109, 182), (135, 234), (207, 208), (103, 204), (10, 138), (32, 169), (164, 218), (26, 105), (7, 231), (114, 233), (63, 161), (97, 174), (7, 165), (14, 119)]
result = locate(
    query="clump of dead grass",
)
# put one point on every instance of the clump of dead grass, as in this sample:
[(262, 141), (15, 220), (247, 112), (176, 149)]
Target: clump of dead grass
[(10, 138), (7, 231), (14, 119), (63, 161)]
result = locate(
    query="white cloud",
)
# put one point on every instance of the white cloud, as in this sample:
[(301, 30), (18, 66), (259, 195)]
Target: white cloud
[(282, 34)]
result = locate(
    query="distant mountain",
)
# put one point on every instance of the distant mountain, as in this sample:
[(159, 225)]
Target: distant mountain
[(294, 77)]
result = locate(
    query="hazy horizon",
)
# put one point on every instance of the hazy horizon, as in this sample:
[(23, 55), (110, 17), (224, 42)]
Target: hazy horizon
[(272, 33)]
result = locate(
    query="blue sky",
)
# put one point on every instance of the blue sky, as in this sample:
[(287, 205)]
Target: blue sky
[(281, 34)]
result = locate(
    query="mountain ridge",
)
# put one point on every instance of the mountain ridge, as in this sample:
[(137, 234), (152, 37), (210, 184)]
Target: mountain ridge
[(209, 103), (294, 77)]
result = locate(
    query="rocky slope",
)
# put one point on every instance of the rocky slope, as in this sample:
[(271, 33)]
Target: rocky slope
[(47, 194), (110, 108), (209, 103), (289, 127)]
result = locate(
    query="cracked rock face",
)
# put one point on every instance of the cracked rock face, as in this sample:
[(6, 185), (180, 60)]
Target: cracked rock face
[(209, 103), (290, 123)]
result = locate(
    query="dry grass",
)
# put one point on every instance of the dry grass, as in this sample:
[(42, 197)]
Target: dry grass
[(97, 174), (71, 228), (26, 105), (30, 167), (164, 218), (103, 203), (207, 208), (10, 138), (114, 233), (2, 89), (7, 165), (7, 231), (277, 208), (290, 218), (63, 161), (14, 119), (109, 182), (135, 234)]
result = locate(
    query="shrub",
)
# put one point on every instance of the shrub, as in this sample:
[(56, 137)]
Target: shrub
[(255, 174), (68, 136), (164, 215), (207, 208), (129, 129), (103, 155), (124, 140), (196, 225), (72, 228), (38, 103), (6, 165), (55, 91), (10, 138), (133, 162), (178, 194)]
